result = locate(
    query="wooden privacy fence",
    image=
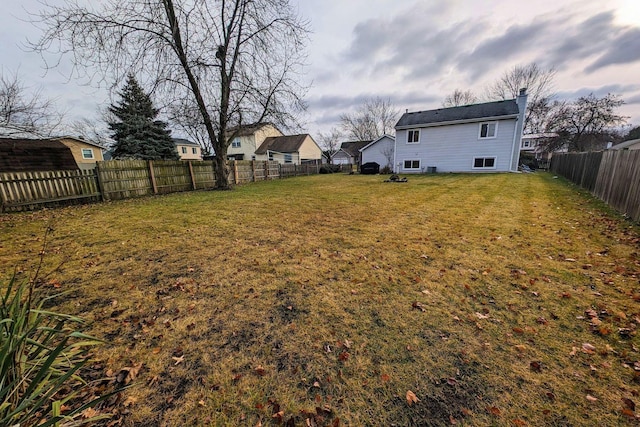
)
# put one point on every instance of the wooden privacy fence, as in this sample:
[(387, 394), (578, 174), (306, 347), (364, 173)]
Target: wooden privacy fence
[(612, 175), (122, 179), (30, 190)]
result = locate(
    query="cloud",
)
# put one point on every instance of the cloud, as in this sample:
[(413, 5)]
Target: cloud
[(632, 100), (623, 49), (598, 91)]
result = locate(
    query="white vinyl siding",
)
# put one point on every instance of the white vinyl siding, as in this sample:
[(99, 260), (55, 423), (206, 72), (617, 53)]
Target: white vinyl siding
[(488, 130), (452, 148), (381, 152)]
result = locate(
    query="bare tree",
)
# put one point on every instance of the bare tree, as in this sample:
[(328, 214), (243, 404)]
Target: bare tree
[(459, 97), (90, 130), (374, 118), (539, 84), (330, 142), (233, 61), (587, 123), (23, 113)]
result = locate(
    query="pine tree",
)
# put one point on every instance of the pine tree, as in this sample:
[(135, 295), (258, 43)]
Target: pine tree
[(137, 132)]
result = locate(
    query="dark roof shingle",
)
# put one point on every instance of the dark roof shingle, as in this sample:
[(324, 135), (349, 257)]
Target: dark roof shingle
[(465, 112), (353, 147), (24, 155), (282, 144)]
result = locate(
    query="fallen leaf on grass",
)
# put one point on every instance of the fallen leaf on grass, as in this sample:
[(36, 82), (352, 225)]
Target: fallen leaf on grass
[(591, 398), (535, 366), (259, 370), (412, 398), (419, 306), (90, 413), (385, 377), (482, 316), (178, 360), (588, 348), (344, 356), (128, 374), (629, 404), (518, 423), (494, 411)]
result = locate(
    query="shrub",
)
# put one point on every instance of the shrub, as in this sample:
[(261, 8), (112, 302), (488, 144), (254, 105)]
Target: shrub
[(40, 355)]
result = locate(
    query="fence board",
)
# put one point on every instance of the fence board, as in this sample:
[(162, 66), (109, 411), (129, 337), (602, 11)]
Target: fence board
[(613, 176), (28, 190)]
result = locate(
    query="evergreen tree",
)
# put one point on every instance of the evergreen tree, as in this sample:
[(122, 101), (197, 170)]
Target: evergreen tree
[(137, 132)]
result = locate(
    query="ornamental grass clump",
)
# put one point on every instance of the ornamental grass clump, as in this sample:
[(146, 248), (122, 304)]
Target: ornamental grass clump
[(41, 353)]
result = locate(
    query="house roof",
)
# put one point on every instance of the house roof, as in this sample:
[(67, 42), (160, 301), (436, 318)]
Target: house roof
[(23, 155), (540, 135), (625, 144), (353, 147), (474, 112), (84, 141), (375, 141), (182, 141), (247, 130), (282, 144)]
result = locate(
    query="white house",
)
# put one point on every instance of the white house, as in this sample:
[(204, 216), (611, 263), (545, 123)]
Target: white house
[(633, 144), (349, 153), (187, 150), (379, 151), (471, 138)]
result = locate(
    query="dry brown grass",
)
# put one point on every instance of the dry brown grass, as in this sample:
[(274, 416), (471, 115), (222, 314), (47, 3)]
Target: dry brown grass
[(342, 293)]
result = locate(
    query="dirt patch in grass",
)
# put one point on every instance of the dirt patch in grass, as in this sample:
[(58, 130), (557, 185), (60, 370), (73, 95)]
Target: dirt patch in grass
[(495, 299)]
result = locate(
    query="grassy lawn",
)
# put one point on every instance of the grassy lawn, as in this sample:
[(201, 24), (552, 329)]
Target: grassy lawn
[(495, 299)]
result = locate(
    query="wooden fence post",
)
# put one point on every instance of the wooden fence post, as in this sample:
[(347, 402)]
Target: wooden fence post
[(266, 170), (235, 172), (193, 178), (253, 170), (99, 179), (153, 177)]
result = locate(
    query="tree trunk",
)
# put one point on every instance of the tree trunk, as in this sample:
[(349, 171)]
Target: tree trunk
[(221, 169)]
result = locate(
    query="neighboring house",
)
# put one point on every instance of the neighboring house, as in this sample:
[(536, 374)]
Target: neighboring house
[(379, 151), (633, 144), (187, 150), (349, 153), (290, 149), (85, 153), (247, 139), (25, 155), (536, 144), (472, 138)]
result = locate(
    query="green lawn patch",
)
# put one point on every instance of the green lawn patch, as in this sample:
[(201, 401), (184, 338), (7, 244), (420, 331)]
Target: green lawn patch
[(502, 299)]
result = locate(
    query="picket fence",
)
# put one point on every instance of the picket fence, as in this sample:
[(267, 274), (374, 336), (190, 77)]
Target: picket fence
[(613, 176), (122, 179)]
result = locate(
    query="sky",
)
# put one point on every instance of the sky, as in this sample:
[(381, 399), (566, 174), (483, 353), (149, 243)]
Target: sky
[(412, 52)]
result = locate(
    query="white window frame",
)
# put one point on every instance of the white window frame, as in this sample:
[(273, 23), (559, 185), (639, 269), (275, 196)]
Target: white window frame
[(404, 162), (495, 132), (495, 162), (86, 151), (235, 143), (413, 136), (194, 150), (288, 158), (184, 150)]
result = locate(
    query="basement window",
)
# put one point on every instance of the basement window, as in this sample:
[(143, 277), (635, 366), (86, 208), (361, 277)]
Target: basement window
[(484, 163), (411, 164)]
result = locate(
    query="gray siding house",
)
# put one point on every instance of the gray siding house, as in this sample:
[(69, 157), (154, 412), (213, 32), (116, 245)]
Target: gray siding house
[(379, 151), (471, 138)]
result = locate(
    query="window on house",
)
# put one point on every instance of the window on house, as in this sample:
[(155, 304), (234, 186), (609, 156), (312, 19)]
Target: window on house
[(270, 156), (488, 130), (87, 153), (194, 150), (184, 150), (525, 143), (235, 143), (413, 137), (484, 162), (411, 164), (288, 158)]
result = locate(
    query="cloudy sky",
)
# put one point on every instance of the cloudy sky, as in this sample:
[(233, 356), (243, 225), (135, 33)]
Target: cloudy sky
[(414, 52)]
